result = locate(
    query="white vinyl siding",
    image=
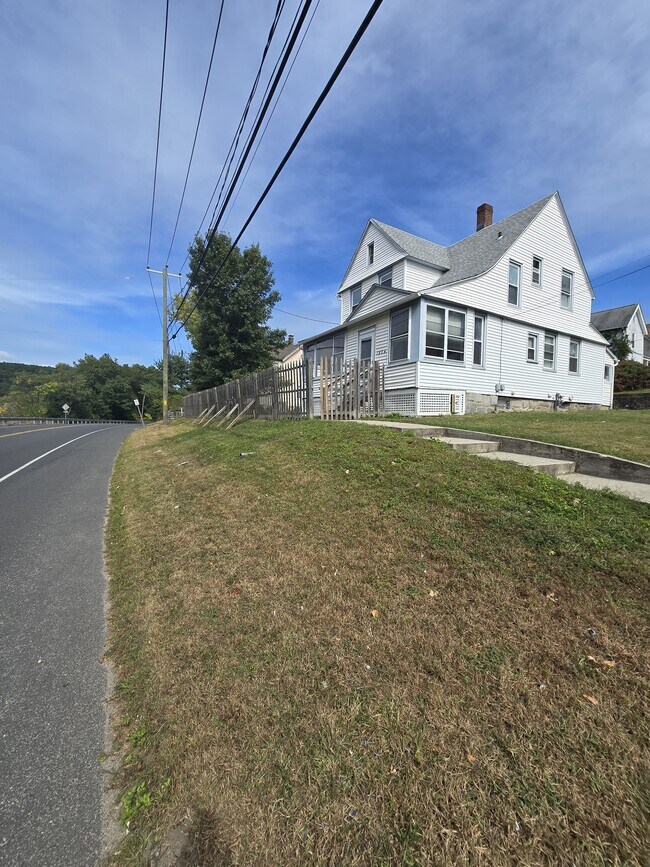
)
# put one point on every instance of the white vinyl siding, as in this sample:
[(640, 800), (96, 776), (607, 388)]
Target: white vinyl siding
[(418, 277), (566, 292), (550, 351), (378, 300), (514, 283), (385, 254), (546, 236)]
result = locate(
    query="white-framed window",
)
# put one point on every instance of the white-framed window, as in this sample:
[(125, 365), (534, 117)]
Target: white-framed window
[(566, 291), (385, 278), (371, 252), (608, 372), (514, 283), (574, 356), (550, 350), (399, 334), (367, 345), (537, 271), (355, 297), (531, 352), (445, 334), (478, 356)]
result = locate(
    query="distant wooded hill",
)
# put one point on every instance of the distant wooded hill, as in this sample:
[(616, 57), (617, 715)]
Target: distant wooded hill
[(9, 370)]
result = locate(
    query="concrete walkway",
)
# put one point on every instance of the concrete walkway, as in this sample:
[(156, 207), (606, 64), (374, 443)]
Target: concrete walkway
[(558, 466)]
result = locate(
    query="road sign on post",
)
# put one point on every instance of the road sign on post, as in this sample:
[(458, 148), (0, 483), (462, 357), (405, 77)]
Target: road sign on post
[(66, 409), (137, 403)]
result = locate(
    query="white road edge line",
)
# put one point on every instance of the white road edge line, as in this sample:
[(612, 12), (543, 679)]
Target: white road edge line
[(40, 457)]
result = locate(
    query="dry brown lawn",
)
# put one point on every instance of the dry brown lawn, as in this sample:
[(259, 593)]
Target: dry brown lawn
[(353, 647)]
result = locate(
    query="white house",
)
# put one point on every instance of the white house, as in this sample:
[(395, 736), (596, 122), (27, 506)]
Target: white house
[(499, 320), (628, 320)]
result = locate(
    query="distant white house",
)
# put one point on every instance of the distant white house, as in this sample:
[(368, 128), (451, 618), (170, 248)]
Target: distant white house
[(289, 353), (628, 320), (499, 320)]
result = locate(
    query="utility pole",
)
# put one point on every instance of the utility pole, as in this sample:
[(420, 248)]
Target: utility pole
[(165, 347), (165, 339)]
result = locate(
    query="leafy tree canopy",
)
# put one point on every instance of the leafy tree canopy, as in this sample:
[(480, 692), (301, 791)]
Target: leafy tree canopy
[(93, 388), (229, 329)]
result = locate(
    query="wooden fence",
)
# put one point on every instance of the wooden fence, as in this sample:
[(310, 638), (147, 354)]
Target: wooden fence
[(337, 390)]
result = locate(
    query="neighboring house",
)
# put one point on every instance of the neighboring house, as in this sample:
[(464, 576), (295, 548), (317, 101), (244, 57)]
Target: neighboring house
[(291, 352), (499, 320), (628, 320)]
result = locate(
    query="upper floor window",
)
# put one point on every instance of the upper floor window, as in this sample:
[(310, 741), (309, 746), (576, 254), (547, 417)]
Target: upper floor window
[(445, 336), (550, 344), (355, 297), (479, 340), (385, 277), (371, 252), (537, 271), (399, 335), (566, 293), (574, 356), (514, 283), (532, 347)]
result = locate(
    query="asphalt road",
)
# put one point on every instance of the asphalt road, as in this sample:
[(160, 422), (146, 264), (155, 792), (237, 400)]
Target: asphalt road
[(52, 681)]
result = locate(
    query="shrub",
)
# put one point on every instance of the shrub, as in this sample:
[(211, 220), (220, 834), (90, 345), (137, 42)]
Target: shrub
[(631, 376)]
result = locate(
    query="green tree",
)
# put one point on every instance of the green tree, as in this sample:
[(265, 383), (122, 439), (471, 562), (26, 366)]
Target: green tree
[(620, 344), (229, 332)]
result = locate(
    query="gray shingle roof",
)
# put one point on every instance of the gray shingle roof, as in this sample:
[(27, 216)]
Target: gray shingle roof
[(617, 317), (479, 252), (417, 248), (473, 255)]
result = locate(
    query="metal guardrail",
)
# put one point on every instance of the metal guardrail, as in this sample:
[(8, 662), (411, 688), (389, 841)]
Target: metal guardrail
[(5, 420)]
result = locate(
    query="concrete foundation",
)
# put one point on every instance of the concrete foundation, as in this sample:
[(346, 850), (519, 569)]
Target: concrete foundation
[(476, 403)]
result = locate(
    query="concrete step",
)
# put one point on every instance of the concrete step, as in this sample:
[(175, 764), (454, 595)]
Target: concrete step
[(474, 447), (634, 490), (539, 465)]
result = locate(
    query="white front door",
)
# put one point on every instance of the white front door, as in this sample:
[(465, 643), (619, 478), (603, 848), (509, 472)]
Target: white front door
[(367, 345)]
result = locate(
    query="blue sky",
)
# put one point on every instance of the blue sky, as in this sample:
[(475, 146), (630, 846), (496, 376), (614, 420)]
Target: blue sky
[(444, 105)]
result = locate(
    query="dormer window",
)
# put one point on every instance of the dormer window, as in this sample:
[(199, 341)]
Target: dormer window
[(371, 253)]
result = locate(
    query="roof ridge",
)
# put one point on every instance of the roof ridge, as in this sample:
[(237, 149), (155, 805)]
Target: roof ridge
[(544, 199)]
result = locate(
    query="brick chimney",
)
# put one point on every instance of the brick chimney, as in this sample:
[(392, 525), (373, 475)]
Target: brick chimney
[(483, 216)]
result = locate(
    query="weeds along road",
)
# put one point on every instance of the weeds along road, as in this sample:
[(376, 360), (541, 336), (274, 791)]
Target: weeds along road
[(53, 498)]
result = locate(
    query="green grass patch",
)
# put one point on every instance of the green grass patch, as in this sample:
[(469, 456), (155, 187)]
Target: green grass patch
[(356, 647), (621, 432)]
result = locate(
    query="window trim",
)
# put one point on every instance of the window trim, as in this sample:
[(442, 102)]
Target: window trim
[(571, 276), (578, 343), (483, 318), (518, 301), (354, 289), (444, 359), (540, 271), (383, 274), (370, 253), (552, 369), (406, 310), (535, 336)]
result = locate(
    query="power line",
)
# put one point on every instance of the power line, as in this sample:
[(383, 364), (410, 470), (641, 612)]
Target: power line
[(196, 131), (275, 105), (160, 104), (311, 318), (242, 159), (624, 265), (155, 300), (627, 274), (330, 84), (242, 120)]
